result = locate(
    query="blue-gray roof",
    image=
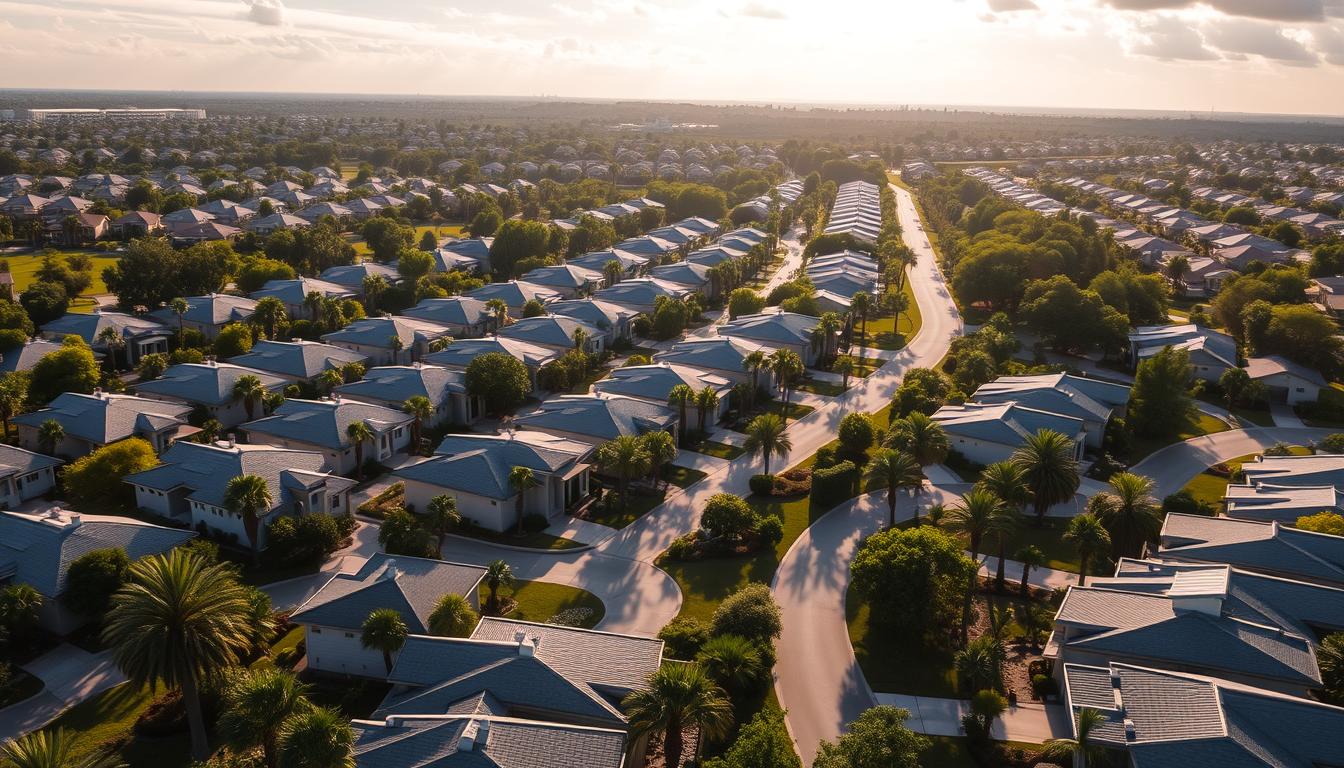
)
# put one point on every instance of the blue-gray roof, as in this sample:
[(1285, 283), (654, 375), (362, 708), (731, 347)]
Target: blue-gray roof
[(597, 260), (548, 331), (409, 585), (397, 383), (600, 314), (207, 470), (17, 461), (104, 418), (654, 382), (460, 353), (205, 383), (25, 357), (352, 275), (777, 327), (1258, 546), (454, 310), (682, 273), (214, 309), (641, 292), (719, 354), (323, 422), (378, 332), (480, 464), (514, 293), (605, 418), (568, 276), (88, 326), (294, 291), (300, 359), (434, 742)]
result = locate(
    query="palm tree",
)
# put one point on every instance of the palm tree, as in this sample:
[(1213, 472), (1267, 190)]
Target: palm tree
[(860, 306), (662, 451), (497, 574), (180, 621), (828, 325), (521, 480), (980, 663), (845, 367), (980, 513), (1048, 460), (766, 436), (1177, 268), (1007, 481), (921, 437), (256, 703), (1030, 557), (706, 401), (313, 301), (250, 390), (210, 430), (788, 366), (50, 435), (271, 314), (358, 433), (421, 409), (329, 380), (52, 749), (319, 738), (384, 631), (248, 497), (1079, 749), (891, 469), (500, 310), (180, 308), (734, 663), (395, 344), (452, 616), (1086, 533), (754, 363), (1132, 516), (111, 338), (626, 458), (679, 397), (374, 286), (611, 272), (442, 516), (677, 696)]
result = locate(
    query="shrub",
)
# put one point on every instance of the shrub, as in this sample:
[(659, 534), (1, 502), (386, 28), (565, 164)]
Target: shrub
[(1322, 522), (95, 480), (750, 612), (729, 516), (92, 578), (793, 482), (1042, 686), (684, 547), (762, 485), (683, 637), (834, 484), (1184, 503), (856, 434), (770, 530), (305, 540), (1333, 443)]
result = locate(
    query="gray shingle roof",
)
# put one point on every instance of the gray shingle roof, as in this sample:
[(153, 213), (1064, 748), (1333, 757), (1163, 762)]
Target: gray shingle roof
[(323, 422), (88, 326), (104, 418), (459, 354), (294, 291), (409, 585), (776, 327), (548, 330), (205, 383), (509, 743), (300, 359), (718, 354), (378, 331), (25, 357), (455, 310), (394, 384), (654, 382), (514, 293), (207, 470), (17, 461), (352, 275), (480, 464), (214, 309), (602, 417), (1058, 393)]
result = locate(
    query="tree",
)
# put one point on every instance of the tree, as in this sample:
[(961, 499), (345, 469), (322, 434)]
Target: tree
[(441, 516), (421, 410), (855, 434), (96, 480), (662, 451), (923, 390), (1069, 318), (497, 574), (680, 397), (734, 663), (250, 390), (255, 705), (271, 315), (20, 613), (179, 621), (706, 402), (386, 237), (766, 436), (452, 616), (72, 368), (400, 533), (861, 305), (729, 516), (980, 513), (93, 578), (678, 696), (891, 469), (1234, 382), (1050, 467), (319, 738), (499, 379), (762, 743), (1089, 537), (258, 270), (383, 631), (1177, 268), (1303, 334), (53, 748), (517, 240), (50, 435), (1131, 515), (1330, 658), (1081, 750), (1323, 522), (921, 437), (1007, 481), (788, 367), (1159, 405), (1030, 557), (744, 301), (521, 480), (233, 340), (750, 612), (45, 302), (248, 497), (914, 579), (980, 663), (878, 739), (358, 433), (845, 367), (625, 458)]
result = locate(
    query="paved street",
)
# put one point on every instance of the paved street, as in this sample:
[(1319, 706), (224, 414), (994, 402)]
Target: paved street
[(1174, 466)]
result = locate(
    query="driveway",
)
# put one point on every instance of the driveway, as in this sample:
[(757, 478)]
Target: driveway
[(1174, 466), (70, 675)]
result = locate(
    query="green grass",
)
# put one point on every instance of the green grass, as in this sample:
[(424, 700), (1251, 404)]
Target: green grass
[(613, 514), (538, 601), (442, 231), (891, 333), (24, 269), (718, 450), (109, 717), (530, 540), (823, 388), (1059, 555), (683, 477), (1203, 424), (1211, 488)]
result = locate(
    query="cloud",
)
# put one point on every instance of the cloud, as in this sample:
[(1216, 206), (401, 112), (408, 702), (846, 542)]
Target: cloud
[(1329, 43), (1257, 39), (1270, 10), (763, 11), (268, 12), (1167, 38), (1008, 6)]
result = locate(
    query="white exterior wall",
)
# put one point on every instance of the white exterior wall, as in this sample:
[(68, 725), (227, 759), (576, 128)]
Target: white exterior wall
[(338, 651), (157, 502), (21, 488), (492, 514), (979, 451), (1294, 389)]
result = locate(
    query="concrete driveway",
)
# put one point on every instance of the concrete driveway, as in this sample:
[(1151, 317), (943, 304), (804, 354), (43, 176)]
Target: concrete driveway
[(70, 675)]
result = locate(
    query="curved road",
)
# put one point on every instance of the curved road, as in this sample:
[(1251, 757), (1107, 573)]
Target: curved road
[(1174, 466)]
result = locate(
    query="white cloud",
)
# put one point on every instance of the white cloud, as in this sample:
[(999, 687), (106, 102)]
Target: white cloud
[(1236, 36), (1273, 10), (1168, 38), (763, 11), (1008, 6), (268, 12)]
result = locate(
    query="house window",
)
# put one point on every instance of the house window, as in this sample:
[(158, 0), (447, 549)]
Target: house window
[(317, 630)]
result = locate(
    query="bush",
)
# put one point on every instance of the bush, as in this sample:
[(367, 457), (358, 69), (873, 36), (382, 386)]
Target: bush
[(835, 483), (793, 482), (762, 485), (1184, 503), (95, 480), (729, 516), (683, 638), (305, 540), (750, 612), (92, 578), (685, 547), (642, 325), (856, 434), (1333, 443), (770, 530), (1042, 686)]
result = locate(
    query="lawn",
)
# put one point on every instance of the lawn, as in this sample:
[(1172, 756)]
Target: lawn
[(1250, 417), (1204, 424), (718, 450), (539, 601), (683, 477), (614, 514), (441, 231), (531, 540), (108, 719), (794, 413), (1059, 555), (24, 269), (891, 333), (823, 388), (1209, 487)]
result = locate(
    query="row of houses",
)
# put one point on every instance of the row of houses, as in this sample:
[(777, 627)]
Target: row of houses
[(857, 211)]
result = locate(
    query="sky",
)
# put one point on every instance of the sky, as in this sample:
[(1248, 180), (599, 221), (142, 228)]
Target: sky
[(1271, 56)]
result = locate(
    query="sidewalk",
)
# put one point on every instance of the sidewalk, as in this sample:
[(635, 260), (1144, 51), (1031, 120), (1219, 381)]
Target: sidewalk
[(71, 675), (582, 531), (1029, 722), (702, 462)]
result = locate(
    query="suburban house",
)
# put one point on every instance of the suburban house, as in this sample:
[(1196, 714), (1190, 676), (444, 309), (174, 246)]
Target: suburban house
[(393, 385), (514, 294), (139, 336), (474, 469), (612, 320), (555, 331), (1286, 380), (297, 360), (1186, 626), (189, 486), (687, 274), (459, 354), (352, 276), (25, 357), (209, 386), (373, 338), (641, 293), (1296, 471), (653, 383), (485, 738), (469, 255), (1211, 352), (1268, 548), (631, 263), (136, 224), (1329, 295), (598, 418), (778, 329), (320, 425), (25, 476), (1283, 503), (37, 548), (93, 421), (570, 281), (1093, 401), (567, 675), (988, 432), (293, 293), (721, 355), (1163, 718), (411, 586), (463, 316), (208, 314)]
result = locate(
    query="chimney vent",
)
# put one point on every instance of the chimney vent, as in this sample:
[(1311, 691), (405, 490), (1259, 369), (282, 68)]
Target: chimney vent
[(467, 741), (1130, 734), (525, 646)]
